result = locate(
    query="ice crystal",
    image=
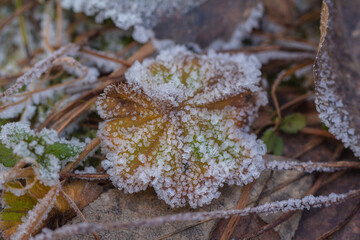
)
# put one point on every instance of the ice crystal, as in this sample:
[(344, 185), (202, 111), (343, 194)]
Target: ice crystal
[(12, 105), (37, 215), (180, 124), (140, 14), (308, 166), (268, 208), (332, 110), (45, 147)]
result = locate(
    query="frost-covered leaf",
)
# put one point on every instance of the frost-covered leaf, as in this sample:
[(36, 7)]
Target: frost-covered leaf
[(337, 71), (140, 14), (7, 157), (293, 123), (20, 199), (17, 206), (49, 151), (274, 143), (180, 125), (206, 25), (62, 151), (183, 21)]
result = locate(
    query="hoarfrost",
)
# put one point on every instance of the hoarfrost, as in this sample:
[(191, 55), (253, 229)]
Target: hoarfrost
[(140, 14), (308, 167), (88, 169), (32, 221), (39, 68), (24, 142), (268, 208), (15, 104), (331, 67), (266, 56), (180, 125)]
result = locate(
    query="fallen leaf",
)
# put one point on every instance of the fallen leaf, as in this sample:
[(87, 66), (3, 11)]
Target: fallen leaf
[(336, 70), (180, 125), (280, 11), (206, 23), (115, 205)]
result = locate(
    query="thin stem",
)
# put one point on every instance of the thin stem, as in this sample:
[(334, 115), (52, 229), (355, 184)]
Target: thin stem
[(244, 198), (77, 210), (86, 176), (18, 12), (59, 22), (101, 55), (18, 4), (288, 72), (341, 224), (72, 115), (318, 132), (269, 208), (38, 69), (310, 167)]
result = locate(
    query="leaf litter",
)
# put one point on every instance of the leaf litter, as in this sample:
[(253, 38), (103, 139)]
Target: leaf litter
[(183, 119)]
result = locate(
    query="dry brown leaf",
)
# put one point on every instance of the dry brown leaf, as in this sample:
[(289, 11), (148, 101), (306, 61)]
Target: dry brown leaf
[(280, 11), (207, 22), (337, 76)]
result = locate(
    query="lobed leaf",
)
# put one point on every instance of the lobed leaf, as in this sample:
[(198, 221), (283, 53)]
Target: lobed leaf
[(180, 124)]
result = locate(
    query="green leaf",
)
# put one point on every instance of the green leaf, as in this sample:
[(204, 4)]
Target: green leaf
[(62, 150), (293, 123), (7, 158), (273, 142)]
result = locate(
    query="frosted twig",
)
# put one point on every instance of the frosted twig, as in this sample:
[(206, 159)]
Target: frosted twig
[(39, 68), (268, 208), (37, 215), (310, 167)]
